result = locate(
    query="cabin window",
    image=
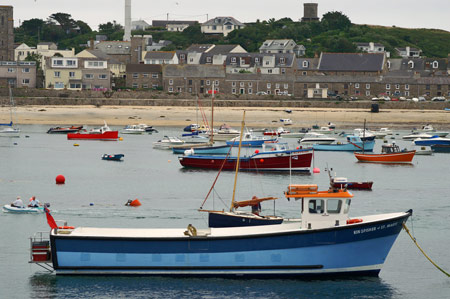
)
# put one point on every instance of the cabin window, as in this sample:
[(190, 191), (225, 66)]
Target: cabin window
[(334, 206), (316, 206), (347, 205)]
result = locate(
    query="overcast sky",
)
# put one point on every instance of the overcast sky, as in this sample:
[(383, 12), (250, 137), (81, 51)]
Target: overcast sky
[(401, 13)]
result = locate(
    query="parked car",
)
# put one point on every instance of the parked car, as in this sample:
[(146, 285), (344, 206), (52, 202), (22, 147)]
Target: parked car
[(395, 99), (415, 99), (384, 97), (334, 96), (402, 98), (261, 93), (375, 99), (422, 99), (438, 99)]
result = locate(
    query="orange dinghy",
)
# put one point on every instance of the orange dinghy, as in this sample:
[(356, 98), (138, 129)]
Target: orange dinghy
[(390, 153)]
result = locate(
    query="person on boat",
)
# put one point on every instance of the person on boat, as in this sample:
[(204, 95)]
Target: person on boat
[(256, 208), (18, 203), (128, 203), (34, 203)]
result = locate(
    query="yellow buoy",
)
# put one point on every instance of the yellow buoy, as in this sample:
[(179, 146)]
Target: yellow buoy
[(120, 138), (76, 144)]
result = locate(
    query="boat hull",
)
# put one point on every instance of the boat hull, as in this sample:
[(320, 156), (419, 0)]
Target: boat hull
[(432, 141), (109, 135), (343, 250), (402, 157), (252, 143), (354, 185), (26, 210), (441, 148), (299, 160), (348, 147)]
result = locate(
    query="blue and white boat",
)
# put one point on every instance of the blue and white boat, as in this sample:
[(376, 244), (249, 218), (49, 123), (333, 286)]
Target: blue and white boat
[(327, 242), (432, 141), (23, 210), (249, 139), (353, 144), (203, 150)]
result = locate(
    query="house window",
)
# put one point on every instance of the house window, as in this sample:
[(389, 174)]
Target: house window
[(208, 59), (103, 76), (57, 74), (267, 62), (250, 91), (89, 76), (216, 83), (170, 89), (397, 86), (25, 70), (427, 87), (439, 87), (305, 86), (178, 89), (233, 84), (59, 85), (435, 65), (406, 86), (250, 84), (357, 92), (75, 85), (10, 70), (190, 82), (407, 93), (135, 75), (71, 62), (286, 86), (356, 85), (145, 75), (135, 85), (171, 82), (57, 62), (256, 59), (304, 73), (269, 85), (388, 86), (71, 74), (277, 85), (182, 56), (367, 86), (190, 89), (282, 60), (269, 71), (233, 91), (388, 92), (25, 81), (154, 75), (241, 84), (283, 71), (208, 82), (305, 63), (233, 59), (367, 92)]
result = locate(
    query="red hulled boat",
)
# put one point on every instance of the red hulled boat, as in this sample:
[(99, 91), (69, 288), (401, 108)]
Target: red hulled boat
[(104, 133)]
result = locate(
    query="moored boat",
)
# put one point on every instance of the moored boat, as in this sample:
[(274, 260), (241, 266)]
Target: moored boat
[(115, 157), (390, 153), (103, 133), (64, 130), (440, 148), (279, 159), (202, 150), (167, 142), (343, 183), (327, 242), (249, 139), (23, 210), (432, 141), (133, 129), (316, 138), (354, 143)]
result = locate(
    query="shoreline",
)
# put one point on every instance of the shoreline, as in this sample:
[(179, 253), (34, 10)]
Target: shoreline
[(261, 117)]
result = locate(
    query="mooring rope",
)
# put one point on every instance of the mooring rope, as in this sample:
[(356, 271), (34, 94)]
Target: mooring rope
[(421, 250)]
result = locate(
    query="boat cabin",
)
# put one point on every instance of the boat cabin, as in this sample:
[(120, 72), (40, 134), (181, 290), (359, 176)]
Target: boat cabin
[(390, 148), (321, 209)]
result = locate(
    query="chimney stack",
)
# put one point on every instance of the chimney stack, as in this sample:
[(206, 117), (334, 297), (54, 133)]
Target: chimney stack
[(127, 34)]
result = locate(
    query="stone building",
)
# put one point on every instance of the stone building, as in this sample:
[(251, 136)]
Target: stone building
[(6, 33), (144, 76)]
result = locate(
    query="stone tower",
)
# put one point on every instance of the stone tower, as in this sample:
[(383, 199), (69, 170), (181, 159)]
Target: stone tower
[(6, 33), (310, 12), (127, 33)]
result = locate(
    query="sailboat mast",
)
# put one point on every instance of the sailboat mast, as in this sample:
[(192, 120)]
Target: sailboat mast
[(237, 162), (211, 140), (11, 103)]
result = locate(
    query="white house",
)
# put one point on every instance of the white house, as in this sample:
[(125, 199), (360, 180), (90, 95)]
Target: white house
[(221, 25)]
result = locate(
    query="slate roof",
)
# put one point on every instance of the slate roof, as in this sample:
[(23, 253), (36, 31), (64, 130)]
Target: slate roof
[(221, 49), (194, 71), (249, 59), (199, 48), (114, 47), (312, 63), (356, 62), (159, 55), (368, 44), (143, 68), (101, 55), (222, 21), (164, 23), (277, 44)]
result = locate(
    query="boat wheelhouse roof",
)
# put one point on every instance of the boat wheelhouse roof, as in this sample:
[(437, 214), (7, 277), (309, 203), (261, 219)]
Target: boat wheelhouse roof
[(311, 191)]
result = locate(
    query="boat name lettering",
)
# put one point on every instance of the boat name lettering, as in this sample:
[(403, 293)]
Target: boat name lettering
[(374, 228)]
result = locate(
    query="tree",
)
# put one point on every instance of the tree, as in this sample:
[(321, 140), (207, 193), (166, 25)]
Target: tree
[(335, 20), (35, 57), (65, 20), (84, 27), (109, 28)]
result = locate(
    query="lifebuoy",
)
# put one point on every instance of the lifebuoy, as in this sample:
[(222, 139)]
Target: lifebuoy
[(352, 221)]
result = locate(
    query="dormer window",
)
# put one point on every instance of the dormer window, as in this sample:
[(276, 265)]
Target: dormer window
[(282, 60), (435, 64), (305, 63), (233, 59), (388, 64), (256, 59), (208, 59), (411, 64)]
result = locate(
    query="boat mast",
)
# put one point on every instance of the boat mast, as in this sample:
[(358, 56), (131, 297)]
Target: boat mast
[(211, 140), (237, 162), (364, 135)]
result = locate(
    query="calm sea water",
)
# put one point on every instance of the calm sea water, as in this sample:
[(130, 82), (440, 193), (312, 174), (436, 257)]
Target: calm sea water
[(96, 191)]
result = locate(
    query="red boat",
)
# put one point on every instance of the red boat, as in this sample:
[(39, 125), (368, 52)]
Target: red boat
[(276, 132), (279, 159), (104, 133), (339, 184), (390, 153)]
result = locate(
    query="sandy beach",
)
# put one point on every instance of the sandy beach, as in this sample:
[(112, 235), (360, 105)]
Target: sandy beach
[(266, 117)]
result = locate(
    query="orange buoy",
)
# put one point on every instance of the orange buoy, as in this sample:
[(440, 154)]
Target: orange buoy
[(355, 220), (256, 151), (316, 170), (261, 160), (135, 203), (60, 179)]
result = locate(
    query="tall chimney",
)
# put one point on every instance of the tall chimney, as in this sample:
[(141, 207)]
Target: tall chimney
[(127, 34)]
